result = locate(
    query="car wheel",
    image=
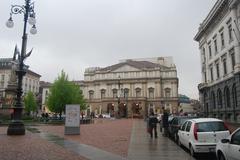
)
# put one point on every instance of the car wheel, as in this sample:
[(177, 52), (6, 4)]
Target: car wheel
[(192, 153), (175, 137), (221, 156)]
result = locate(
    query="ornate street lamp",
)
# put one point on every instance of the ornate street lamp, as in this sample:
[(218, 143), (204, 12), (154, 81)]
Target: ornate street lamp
[(16, 127)]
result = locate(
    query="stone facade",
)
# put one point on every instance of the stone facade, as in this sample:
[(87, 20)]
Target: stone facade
[(44, 92), (30, 80), (132, 87), (218, 38)]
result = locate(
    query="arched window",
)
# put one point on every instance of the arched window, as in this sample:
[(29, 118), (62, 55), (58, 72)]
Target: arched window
[(167, 92), (138, 92), (227, 97), (114, 93), (151, 92), (91, 94), (213, 100), (103, 93), (219, 98), (234, 95)]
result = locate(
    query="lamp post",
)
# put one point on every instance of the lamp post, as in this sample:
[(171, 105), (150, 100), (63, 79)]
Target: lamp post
[(16, 127)]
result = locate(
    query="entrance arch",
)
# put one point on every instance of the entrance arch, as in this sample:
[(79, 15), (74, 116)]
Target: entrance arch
[(110, 109), (122, 110), (136, 110)]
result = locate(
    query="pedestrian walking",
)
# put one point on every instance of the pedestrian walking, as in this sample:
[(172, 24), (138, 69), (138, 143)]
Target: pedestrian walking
[(152, 124), (160, 123), (165, 122)]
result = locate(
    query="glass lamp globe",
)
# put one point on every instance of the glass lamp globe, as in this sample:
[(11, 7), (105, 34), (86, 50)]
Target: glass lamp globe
[(32, 20), (10, 23), (33, 30)]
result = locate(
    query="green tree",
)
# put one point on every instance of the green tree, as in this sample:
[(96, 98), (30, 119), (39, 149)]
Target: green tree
[(64, 92), (30, 103)]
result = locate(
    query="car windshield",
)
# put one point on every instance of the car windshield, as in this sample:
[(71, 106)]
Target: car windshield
[(211, 127)]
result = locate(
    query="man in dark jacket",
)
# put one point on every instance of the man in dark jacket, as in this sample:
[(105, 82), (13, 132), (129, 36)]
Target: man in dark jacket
[(152, 123), (165, 122)]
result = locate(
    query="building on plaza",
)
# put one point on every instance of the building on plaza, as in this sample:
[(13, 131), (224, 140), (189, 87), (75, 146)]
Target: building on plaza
[(30, 82), (219, 45), (188, 106), (132, 87), (44, 92)]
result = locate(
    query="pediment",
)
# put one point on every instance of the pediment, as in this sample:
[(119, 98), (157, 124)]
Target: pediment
[(126, 68)]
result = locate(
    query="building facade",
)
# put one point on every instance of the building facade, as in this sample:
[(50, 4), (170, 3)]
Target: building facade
[(44, 92), (132, 87), (30, 80), (218, 38), (188, 106)]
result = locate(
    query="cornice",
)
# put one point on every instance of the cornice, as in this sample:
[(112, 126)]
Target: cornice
[(215, 14), (170, 69), (131, 80), (233, 3)]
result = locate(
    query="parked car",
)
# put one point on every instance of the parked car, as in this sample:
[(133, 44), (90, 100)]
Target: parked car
[(229, 148), (202, 134), (175, 124)]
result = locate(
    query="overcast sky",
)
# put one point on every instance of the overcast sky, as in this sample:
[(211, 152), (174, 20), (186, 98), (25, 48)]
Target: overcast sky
[(76, 34)]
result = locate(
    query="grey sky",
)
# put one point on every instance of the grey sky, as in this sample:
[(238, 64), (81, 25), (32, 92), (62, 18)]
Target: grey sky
[(75, 34)]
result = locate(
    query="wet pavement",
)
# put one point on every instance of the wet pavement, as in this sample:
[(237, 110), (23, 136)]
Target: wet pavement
[(142, 147), (89, 152)]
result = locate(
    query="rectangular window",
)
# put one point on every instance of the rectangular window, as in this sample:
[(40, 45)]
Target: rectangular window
[(222, 40), (215, 45), (91, 94), (115, 93), (151, 93), (224, 67), (205, 77), (230, 32), (203, 55), (126, 93), (232, 54), (103, 94), (138, 92), (188, 126), (210, 50), (2, 81), (217, 70), (211, 126), (211, 72)]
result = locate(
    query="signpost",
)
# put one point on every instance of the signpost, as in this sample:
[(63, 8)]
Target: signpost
[(72, 121)]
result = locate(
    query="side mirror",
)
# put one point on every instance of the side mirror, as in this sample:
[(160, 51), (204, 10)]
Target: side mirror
[(225, 140)]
